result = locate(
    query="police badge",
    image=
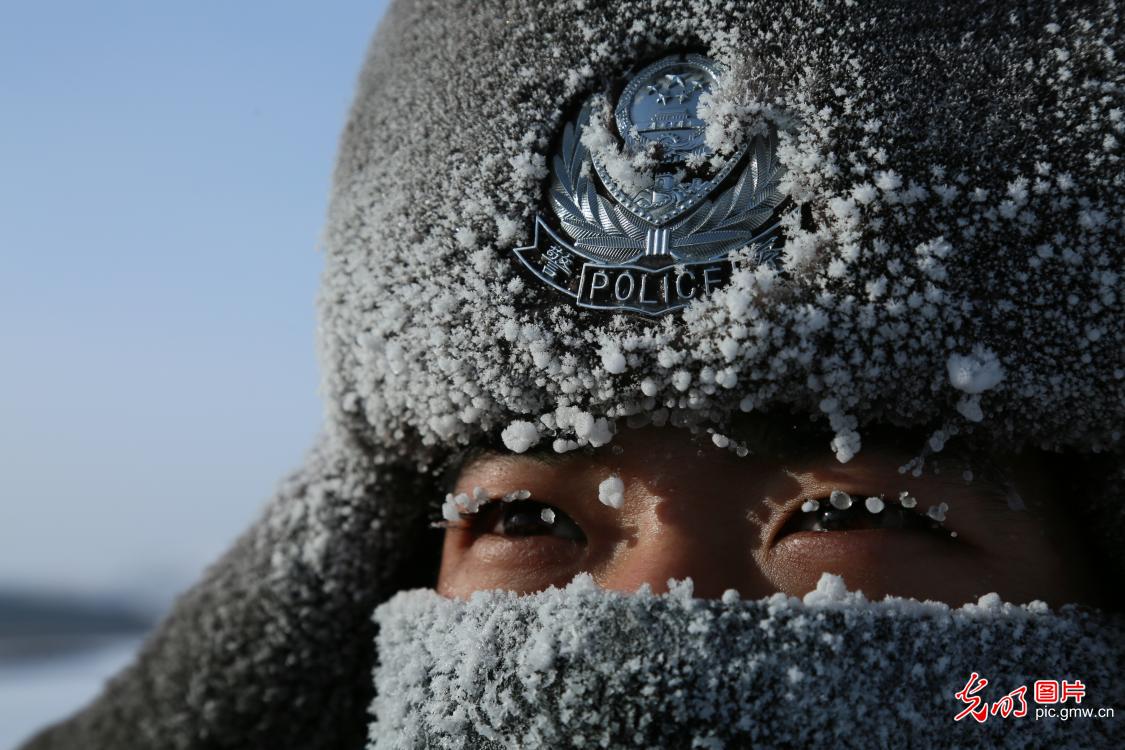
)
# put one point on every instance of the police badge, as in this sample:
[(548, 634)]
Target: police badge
[(652, 246)]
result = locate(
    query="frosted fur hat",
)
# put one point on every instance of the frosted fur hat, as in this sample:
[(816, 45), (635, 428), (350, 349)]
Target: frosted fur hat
[(960, 266), (952, 259)]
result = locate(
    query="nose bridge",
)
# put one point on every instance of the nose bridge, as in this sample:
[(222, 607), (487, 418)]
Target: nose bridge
[(714, 549)]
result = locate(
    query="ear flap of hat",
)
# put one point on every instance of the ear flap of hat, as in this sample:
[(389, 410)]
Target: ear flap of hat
[(273, 647)]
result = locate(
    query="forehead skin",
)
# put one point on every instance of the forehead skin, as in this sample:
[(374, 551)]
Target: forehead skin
[(696, 510)]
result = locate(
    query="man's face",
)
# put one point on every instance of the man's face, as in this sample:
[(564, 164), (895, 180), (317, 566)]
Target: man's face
[(692, 509)]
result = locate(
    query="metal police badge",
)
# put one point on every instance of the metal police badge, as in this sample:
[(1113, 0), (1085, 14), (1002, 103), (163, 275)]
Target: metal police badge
[(654, 247)]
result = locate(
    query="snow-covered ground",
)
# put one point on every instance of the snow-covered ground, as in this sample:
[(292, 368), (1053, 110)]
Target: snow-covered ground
[(33, 694)]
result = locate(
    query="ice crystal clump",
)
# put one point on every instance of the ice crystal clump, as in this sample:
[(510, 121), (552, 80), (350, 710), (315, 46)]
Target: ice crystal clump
[(464, 502), (975, 373), (831, 590), (840, 500), (937, 512), (611, 492), (516, 495), (450, 510), (633, 172), (613, 360), (519, 436)]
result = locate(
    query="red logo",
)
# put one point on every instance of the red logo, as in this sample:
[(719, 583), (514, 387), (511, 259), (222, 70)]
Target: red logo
[(978, 709), (1045, 692)]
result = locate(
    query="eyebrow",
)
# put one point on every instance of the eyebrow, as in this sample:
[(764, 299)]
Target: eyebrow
[(778, 437), (542, 454), (989, 474), (781, 440)]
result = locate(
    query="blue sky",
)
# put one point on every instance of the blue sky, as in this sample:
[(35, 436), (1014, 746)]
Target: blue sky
[(164, 169)]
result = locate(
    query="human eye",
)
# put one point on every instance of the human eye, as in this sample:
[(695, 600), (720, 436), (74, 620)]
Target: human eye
[(839, 511), (514, 516), (513, 541), (527, 518)]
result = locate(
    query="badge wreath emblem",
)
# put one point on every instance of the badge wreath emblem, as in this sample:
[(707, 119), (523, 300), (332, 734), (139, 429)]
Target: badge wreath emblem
[(653, 248)]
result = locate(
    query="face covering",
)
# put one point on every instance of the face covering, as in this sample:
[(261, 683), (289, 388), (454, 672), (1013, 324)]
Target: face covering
[(586, 667)]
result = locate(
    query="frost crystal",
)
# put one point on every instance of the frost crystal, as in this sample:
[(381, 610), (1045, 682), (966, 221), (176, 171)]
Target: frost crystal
[(519, 436), (975, 373), (599, 433), (611, 492), (874, 504), (830, 589), (471, 502), (810, 506), (547, 515), (907, 500), (455, 505), (937, 512), (449, 510), (840, 500), (613, 360)]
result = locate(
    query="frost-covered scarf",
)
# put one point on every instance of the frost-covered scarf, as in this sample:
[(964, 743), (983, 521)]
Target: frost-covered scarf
[(582, 667)]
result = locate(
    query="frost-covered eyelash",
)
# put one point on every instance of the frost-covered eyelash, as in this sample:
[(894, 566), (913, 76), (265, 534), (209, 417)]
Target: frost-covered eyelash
[(840, 502), (459, 506)]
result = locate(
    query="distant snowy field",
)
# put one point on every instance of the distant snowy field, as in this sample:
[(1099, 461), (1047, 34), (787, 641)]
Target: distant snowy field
[(38, 693)]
